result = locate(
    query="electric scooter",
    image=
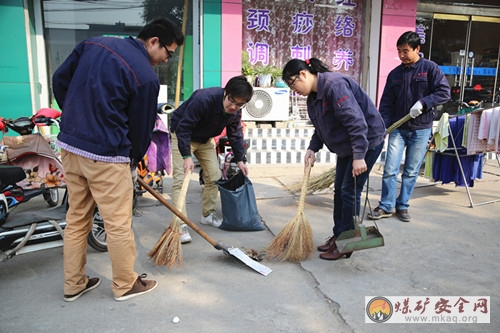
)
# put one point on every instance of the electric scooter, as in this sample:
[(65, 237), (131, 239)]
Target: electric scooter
[(29, 231), (32, 152)]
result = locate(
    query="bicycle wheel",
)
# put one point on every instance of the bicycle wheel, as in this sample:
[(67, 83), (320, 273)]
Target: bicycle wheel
[(51, 196), (97, 236)]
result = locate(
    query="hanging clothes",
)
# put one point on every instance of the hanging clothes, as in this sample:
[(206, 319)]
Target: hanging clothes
[(446, 168), (441, 134), (494, 129), (159, 151)]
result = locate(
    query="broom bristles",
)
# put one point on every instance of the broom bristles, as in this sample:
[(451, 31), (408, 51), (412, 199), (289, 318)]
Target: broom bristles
[(295, 241), (168, 249), (317, 183)]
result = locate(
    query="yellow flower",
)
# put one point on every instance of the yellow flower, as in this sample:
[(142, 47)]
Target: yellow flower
[(51, 180)]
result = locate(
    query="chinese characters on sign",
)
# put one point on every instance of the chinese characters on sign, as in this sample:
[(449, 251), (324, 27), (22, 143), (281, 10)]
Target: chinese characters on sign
[(330, 30), (420, 30)]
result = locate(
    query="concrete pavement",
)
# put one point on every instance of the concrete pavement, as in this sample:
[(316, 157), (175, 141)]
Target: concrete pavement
[(449, 249)]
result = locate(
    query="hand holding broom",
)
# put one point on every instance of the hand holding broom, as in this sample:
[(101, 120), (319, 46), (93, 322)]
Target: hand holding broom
[(294, 242), (326, 179), (168, 250), (398, 123)]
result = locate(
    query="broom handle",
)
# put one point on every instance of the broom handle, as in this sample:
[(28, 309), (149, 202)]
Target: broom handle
[(398, 123), (177, 212), (303, 191), (181, 200)]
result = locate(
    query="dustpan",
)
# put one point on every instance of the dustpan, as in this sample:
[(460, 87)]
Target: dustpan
[(362, 237)]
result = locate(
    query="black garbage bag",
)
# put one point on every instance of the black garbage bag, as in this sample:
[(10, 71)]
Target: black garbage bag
[(239, 208)]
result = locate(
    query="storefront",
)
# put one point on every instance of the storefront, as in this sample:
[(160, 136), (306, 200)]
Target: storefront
[(464, 41), (355, 37)]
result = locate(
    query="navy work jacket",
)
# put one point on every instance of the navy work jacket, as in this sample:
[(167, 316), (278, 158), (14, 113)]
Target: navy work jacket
[(422, 81), (202, 117), (344, 117), (108, 92)]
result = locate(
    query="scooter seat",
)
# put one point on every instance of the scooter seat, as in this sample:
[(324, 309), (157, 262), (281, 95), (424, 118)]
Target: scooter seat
[(28, 217), (10, 175)]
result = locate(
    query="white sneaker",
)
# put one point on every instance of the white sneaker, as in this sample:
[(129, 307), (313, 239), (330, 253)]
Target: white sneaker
[(211, 219), (185, 236)]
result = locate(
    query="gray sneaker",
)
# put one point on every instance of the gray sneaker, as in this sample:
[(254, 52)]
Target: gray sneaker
[(185, 236), (211, 219), (140, 287), (91, 284), (403, 215)]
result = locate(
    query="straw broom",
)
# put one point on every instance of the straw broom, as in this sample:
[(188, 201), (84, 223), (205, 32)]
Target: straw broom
[(317, 183), (168, 250), (294, 242), (326, 179)]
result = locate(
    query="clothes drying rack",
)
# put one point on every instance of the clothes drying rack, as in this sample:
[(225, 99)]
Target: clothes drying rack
[(477, 150)]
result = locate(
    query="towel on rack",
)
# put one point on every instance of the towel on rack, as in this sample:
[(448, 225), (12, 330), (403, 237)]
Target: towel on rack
[(441, 134)]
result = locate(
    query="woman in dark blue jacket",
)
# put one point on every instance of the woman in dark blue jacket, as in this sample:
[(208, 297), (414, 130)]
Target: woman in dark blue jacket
[(347, 122)]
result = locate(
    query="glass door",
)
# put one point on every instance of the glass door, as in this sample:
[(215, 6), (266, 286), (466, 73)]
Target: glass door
[(483, 50), (466, 47)]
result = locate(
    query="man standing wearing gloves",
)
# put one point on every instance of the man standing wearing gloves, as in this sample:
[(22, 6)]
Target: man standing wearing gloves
[(416, 87)]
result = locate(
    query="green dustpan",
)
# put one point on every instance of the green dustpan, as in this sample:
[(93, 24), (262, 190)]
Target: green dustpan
[(360, 238)]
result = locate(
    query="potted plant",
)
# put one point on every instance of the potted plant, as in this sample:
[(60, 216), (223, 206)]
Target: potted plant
[(246, 67), (266, 74), (277, 78)]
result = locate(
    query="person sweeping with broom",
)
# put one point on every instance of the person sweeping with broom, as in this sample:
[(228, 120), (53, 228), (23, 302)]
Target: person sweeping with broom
[(348, 123)]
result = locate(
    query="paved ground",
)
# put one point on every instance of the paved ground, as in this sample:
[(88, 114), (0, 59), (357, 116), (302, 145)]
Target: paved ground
[(449, 249)]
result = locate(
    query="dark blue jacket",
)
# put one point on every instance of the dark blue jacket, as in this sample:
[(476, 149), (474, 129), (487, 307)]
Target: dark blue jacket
[(406, 85), (108, 92), (344, 117), (202, 117)]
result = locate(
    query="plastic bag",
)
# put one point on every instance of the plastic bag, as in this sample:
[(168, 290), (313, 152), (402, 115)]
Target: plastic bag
[(239, 207)]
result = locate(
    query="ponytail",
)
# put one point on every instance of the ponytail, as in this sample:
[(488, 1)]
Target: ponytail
[(294, 66)]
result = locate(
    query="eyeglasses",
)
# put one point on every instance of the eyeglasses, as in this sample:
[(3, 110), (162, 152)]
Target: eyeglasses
[(290, 85), (233, 101), (170, 54)]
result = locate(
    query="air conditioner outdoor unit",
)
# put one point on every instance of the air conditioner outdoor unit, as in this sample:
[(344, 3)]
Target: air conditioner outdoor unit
[(268, 104)]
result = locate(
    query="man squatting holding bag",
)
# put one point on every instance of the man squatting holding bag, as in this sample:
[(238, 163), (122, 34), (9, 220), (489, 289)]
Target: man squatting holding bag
[(194, 125)]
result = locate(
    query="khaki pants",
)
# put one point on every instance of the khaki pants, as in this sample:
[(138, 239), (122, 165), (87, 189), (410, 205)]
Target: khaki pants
[(110, 186), (205, 154)]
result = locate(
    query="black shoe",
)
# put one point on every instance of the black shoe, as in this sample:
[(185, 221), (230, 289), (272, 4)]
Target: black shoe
[(403, 215), (378, 213), (91, 284)]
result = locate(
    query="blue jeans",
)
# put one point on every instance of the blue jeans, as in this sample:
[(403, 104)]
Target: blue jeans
[(343, 197), (414, 144)]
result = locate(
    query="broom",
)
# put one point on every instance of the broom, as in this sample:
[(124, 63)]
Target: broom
[(326, 179), (168, 250), (294, 242), (317, 183)]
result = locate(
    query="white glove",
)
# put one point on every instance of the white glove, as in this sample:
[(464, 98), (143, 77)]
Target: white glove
[(416, 110)]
